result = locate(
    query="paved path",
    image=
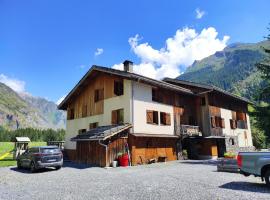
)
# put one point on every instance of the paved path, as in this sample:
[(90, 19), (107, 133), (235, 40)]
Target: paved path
[(173, 180)]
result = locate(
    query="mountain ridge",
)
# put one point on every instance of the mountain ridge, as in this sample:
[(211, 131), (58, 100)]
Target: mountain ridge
[(232, 69), (21, 110)]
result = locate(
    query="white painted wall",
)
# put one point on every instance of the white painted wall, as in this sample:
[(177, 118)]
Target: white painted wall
[(114, 103), (227, 115), (142, 100)]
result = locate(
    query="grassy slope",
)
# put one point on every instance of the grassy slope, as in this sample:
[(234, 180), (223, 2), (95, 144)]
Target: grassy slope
[(8, 147)]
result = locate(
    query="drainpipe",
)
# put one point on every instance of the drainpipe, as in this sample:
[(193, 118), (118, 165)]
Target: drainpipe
[(132, 105), (106, 149)]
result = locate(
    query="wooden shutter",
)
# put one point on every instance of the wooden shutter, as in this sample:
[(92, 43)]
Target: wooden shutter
[(101, 94), (213, 122), (222, 123), (233, 124), (168, 119), (114, 117), (149, 116)]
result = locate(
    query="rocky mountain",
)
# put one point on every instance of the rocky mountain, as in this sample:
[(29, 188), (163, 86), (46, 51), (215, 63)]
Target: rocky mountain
[(232, 69), (24, 110)]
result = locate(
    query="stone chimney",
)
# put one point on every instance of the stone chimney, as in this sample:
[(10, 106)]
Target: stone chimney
[(128, 66)]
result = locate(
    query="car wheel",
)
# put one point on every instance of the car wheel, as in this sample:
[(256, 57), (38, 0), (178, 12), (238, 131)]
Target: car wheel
[(267, 177), (33, 167), (19, 166), (58, 167)]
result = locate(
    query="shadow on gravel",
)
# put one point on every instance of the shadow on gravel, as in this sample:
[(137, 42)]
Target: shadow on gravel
[(27, 171), (200, 162), (77, 165), (246, 186)]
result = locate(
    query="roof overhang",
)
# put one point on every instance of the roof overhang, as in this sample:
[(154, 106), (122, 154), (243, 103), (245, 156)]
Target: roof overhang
[(100, 134), (154, 135), (126, 75), (206, 88)]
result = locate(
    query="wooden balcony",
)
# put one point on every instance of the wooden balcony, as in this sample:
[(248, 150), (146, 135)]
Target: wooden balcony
[(189, 130)]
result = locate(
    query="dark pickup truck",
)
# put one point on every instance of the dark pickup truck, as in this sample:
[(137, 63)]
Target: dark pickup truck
[(255, 163), (41, 157)]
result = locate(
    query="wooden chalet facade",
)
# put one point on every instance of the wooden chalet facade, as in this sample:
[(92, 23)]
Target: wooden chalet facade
[(164, 117)]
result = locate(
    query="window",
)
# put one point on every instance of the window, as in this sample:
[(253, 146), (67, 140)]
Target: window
[(93, 125), (231, 140), (165, 118), (118, 88), (203, 101), (84, 111), (99, 95), (217, 122), (241, 120), (118, 116), (81, 131), (213, 122), (155, 94), (151, 117), (70, 114)]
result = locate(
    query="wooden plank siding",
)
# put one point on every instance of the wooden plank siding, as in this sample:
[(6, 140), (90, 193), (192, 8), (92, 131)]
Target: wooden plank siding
[(91, 152), (115, 147), (145, 148), (84, 104)]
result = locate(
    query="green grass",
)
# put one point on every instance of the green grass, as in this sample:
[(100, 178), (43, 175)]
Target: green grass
[(8, 147)]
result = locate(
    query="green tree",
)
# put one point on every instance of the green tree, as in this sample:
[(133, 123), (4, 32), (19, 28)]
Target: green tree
[(262, 110)]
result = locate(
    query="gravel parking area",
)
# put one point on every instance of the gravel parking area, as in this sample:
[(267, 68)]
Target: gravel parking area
[(172, 180)]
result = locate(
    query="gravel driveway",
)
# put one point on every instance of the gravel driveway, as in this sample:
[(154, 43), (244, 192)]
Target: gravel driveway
[(172, 180)]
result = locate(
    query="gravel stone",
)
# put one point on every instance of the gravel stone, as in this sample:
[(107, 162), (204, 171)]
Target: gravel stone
[(172, 180)]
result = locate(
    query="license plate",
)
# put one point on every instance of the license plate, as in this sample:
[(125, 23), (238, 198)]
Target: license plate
[(52, 160)]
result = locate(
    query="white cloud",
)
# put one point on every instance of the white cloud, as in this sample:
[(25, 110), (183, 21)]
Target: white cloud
[(15, 84), (60, 100), (199, 13), (99, 51), (181, 50)]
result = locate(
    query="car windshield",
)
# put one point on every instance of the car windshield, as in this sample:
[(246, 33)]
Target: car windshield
[(50, 150)]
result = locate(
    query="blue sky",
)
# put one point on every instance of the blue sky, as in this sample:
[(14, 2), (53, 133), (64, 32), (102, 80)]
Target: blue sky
[(46, 46)]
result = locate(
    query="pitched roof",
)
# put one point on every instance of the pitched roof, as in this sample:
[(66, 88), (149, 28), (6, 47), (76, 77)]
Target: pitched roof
[(22, 139), (102, 132), (127, 75), (206, 87)]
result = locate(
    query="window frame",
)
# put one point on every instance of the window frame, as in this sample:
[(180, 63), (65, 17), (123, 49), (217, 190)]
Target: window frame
[(152, 117), (93, 125)]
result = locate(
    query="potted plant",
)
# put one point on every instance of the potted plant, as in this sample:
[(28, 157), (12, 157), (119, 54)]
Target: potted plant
[(230, 155), (123, 159), (185, 154)]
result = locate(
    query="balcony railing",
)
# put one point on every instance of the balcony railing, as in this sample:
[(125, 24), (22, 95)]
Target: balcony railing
[(189, 130)]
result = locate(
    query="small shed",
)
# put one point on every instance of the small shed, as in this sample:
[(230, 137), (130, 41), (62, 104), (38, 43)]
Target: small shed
[(100, 146), (20, 146)]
